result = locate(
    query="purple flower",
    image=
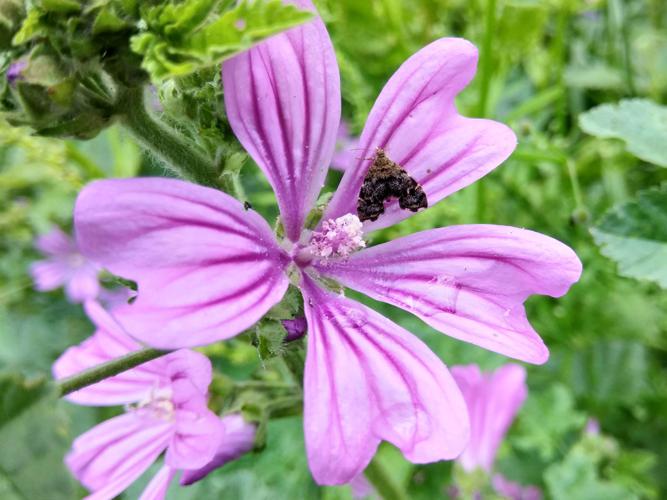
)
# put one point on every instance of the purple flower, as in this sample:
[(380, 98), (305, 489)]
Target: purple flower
[(296, 328), (64, 266), (493, 400), (15, 71), (592, 427), (207, 269), (166, 410), (346, 148), (514, 491), (361, 487)]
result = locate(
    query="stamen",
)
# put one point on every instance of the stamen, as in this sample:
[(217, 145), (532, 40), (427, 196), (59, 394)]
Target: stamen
[(158, 404), (338, 238)]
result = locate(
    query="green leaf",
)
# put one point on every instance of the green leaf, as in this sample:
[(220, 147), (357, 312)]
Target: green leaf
[(184, 37), (641, 123), (546, 419), (634, 235), (34, 439), (576, 478)]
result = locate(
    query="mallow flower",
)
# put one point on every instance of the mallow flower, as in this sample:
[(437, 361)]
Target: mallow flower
[(165, 411), (64, 266), (207, 268), (493, 400)]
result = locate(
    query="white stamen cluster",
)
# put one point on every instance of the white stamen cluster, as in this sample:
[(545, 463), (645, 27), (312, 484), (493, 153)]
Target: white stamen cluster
[(338, 238), (158, 404)]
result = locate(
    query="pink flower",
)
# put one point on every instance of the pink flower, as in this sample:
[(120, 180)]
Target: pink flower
[(346, 148), (514, 491), (64, 266), (493, 400), (207, 269), (166, 410)]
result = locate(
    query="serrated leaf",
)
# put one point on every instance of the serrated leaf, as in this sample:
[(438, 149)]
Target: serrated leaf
[(634, 235), (576, 478), (184, 37), (641, 123), (545, 420), (33, 437)]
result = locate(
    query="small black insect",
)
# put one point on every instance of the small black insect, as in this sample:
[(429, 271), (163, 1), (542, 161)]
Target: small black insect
[(247, 205), (384, 180)]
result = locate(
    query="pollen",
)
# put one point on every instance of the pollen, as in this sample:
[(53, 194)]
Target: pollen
[(338, 237)]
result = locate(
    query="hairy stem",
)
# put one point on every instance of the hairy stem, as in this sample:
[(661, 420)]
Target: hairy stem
[(181, 157), (109, 369), (384, 482)]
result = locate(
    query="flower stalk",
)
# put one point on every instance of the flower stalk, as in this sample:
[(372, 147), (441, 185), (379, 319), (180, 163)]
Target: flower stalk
[(180, 157), (105, 370)]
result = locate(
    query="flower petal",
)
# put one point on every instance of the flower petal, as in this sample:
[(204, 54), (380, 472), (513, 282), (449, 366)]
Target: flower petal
[(237, 439), (112, 455), (108, 342), (56, 242), (493, 401), (367, 380), (157, 488), (469, 282), (83, 284), (207, 269), (415, 120), (283, 102), (190, 367), (196, 439), (49, 274)]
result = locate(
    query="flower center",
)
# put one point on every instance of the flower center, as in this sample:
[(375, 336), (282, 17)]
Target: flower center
[(158, 404), (338, 238)]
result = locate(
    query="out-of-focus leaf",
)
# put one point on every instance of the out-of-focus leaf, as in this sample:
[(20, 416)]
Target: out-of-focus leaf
[(520, 26), (33, 436), (546, 419), (576, 478), (595, 76), (611, 372), (634, 235), (641, 123), (184, 37)]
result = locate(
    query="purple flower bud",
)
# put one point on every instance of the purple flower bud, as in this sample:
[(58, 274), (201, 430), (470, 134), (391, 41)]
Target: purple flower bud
[(15, 71), (296, 328)]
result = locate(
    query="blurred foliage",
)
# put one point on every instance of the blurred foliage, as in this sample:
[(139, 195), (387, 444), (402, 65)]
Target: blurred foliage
[(68, 63), (572, 77)]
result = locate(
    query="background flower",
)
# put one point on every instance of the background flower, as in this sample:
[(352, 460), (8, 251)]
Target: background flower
[(64, 266)]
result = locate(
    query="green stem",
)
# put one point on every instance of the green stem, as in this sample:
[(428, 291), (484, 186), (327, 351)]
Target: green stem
[(574, 182), (180, 156), (384, 482), (560, 56), (486, 63), (109, 369), (89, 166), (486, 68)]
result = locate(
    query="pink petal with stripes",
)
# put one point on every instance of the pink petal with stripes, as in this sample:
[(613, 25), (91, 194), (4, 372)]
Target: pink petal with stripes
[(368, 380), (469, 282), (238, 438), (159, 485), (206, 268), (283, 102), (493, 400), (416, 122), (111, 456)]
